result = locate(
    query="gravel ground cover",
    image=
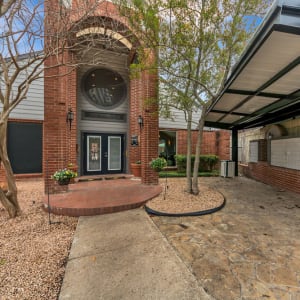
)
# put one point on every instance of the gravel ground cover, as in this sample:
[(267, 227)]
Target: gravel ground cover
[(32, 252), (177, 200)]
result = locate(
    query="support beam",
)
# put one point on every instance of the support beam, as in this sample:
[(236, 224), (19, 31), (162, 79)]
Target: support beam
[(234, 149)]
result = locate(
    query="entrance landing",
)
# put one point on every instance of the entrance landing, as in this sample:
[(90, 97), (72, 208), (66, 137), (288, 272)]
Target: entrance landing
[(97, 197)]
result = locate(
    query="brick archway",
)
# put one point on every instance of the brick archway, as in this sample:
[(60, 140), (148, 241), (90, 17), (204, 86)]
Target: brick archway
[(61, 145)]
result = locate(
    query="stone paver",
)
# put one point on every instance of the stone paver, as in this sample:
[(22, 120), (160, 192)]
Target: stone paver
[(248, 250)]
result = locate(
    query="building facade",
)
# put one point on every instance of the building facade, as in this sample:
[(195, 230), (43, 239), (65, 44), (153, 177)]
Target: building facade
[(109, 121), (95, 116)]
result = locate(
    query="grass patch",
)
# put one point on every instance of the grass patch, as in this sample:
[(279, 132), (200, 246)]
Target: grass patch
[(174, 174)]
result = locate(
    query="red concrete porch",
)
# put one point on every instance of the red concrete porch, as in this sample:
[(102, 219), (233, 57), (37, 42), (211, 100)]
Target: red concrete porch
[(96, 196)]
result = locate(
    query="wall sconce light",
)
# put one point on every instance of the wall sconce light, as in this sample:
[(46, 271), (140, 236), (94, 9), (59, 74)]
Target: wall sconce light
[(270, 136), (70, 116), (140, 121)]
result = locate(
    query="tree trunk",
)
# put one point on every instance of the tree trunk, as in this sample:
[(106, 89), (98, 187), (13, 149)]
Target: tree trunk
[(8, 198), (195, 187), (189, 153)]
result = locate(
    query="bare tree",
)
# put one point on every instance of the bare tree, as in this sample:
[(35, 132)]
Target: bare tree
[(28, 38), (5, 6), (21, 29)]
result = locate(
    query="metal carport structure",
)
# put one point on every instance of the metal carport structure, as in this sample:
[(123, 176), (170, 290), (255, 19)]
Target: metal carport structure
[(264, 86)]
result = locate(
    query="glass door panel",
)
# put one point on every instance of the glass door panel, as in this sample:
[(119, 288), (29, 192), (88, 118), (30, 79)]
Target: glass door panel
[(103, 153), (114, 153), (93, 153)]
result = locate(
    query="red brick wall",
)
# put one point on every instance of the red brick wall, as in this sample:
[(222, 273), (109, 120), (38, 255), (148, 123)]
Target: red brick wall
[(142, 88), (135, 107), (59, 142), (214, 142), (286, 179), (149, 133)]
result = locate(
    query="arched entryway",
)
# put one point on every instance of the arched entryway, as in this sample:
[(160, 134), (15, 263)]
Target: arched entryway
[(105, 100), (103, 107)]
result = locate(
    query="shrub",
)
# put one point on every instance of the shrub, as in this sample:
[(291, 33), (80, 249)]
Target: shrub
[(207, 162), (158, 164)]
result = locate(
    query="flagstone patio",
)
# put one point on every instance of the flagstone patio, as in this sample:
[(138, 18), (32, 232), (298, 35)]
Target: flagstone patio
[(248, 250)]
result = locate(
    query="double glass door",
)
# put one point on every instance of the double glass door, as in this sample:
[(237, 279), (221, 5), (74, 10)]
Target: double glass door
[(103, 153)]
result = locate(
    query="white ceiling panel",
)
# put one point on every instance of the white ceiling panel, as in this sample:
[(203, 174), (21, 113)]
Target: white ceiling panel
[(255, 104), (231, 118), (213, 117), (229, 101), (287, 84), (272, 57)]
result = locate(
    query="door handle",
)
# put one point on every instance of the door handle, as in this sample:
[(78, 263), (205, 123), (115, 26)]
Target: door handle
[(105, 154)]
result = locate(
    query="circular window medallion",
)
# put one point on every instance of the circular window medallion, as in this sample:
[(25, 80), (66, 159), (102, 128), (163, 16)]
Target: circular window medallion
[(104, 88)]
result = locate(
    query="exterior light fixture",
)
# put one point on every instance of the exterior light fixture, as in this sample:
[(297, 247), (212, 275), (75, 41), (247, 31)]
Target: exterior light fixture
[(140, 121), (70, 116)]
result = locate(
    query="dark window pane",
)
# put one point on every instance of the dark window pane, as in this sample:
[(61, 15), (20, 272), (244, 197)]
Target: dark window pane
[(103, 116), (25, 146), (104, 88)]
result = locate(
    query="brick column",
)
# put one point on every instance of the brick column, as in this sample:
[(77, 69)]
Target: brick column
[(149, 134), (224, 144), (59, 143), (135, 109)]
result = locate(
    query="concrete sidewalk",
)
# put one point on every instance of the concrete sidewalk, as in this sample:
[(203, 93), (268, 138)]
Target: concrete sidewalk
[(124, 256)]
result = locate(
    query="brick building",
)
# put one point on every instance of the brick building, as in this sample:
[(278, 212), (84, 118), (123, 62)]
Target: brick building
[(95, 116)]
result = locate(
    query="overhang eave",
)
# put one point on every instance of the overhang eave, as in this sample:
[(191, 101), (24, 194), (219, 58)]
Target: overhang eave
[(264, 84)]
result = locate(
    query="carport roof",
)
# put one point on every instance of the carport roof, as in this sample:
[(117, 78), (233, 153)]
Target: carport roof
[(264, 86)]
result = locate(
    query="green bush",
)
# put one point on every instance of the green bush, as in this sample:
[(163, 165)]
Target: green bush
[(158, 164), (207, 162)]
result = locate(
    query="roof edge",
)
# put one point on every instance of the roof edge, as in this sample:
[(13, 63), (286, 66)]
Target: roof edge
[(277, 18)]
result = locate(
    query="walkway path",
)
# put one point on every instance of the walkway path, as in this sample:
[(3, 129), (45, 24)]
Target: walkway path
[(124, 256)]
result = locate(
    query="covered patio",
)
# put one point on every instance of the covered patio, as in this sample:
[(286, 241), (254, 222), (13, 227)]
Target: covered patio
[(264, 86)]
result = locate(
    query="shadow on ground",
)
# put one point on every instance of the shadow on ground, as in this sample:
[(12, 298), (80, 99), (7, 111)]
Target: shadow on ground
[(248, 250)]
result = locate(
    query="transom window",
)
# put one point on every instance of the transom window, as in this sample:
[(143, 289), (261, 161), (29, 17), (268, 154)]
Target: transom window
[(104, 88)]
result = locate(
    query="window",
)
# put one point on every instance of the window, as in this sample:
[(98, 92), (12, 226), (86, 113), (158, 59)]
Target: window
[(258, 150), (103, 116), (167, 146), (104, 88), (25, 146)]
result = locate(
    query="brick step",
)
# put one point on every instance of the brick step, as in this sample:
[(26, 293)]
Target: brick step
[(96, 197)]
